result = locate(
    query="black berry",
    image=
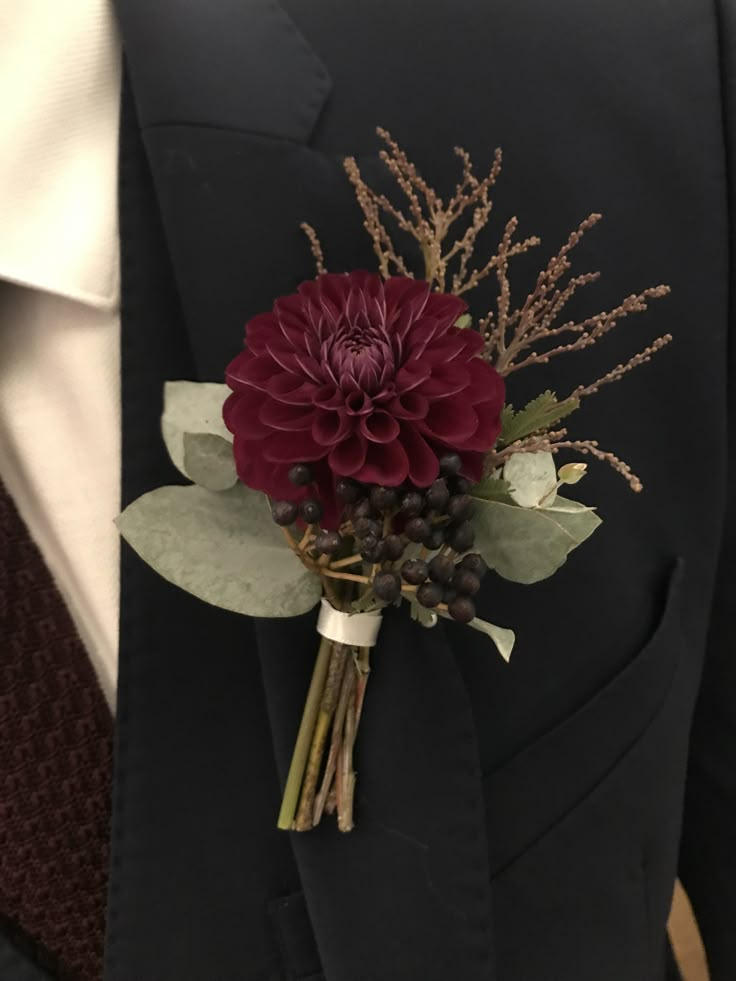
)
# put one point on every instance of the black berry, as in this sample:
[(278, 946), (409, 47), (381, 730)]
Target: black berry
[(476, 563), (310, 510), (384, 498), (347, 491), (393, 547), (300, 474), (416, 529), (371, 548), (441, 569), (366, 526), (429, 594), (387, 586), (328, 542), (438, 495), (462, 485), (450, 464), (466, 582), (284, 512), (415, 571), (460, 506), (363, 509), (411, 504), (449, 594), (462, 537), (462, 609), (434, 538)]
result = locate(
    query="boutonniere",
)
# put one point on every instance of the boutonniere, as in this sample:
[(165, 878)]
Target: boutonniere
[(364, 454)]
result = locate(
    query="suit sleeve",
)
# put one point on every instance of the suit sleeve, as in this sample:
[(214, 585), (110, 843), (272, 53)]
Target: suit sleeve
[(708, 851)]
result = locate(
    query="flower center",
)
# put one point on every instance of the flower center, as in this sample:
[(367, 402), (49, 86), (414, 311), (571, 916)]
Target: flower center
[(360, 355)]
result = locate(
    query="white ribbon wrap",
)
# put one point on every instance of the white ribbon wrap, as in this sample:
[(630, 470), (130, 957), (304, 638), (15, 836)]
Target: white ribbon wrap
[(354, 629)]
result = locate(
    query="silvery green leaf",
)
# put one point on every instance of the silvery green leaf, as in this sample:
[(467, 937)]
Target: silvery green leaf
[(367, 603), (221, 547), (191, 407), (577, 519), (564, 504), (502, 637), (529, 544), (532, 476), (427, 618), (493, 489), (209, 461)]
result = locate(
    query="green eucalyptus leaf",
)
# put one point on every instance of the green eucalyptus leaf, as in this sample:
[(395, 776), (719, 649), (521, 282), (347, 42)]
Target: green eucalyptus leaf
[(191, 407), (532, 476), (427, 618), (529, 544), (367, 603), (209, 462), (221, 547), (493, 489), (541, 413), (502, 637)]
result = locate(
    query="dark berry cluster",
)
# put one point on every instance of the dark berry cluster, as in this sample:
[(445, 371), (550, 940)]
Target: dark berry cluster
[(382, 521), (446, 580)]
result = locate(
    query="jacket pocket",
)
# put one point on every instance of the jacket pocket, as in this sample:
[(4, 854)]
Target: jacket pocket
[(535, 789)]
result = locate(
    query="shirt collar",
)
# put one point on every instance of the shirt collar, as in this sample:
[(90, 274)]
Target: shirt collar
[(60, 85)]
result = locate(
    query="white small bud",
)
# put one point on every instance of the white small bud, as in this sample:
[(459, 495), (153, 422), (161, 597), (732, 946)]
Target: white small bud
[(464, 321), (571, 473)]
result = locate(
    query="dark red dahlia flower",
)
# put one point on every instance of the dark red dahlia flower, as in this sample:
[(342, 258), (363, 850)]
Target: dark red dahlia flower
[(360, 378)]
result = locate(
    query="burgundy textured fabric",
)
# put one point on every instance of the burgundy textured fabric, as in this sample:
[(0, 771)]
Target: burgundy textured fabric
[(55, 766)]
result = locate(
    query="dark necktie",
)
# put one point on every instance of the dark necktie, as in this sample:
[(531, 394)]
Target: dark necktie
[(55, 769)]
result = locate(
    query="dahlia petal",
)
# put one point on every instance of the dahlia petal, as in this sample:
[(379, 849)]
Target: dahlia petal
[(237, 370), (251, 369), (334, 289), (331, 509), (489, 426), (329, 428), (385, 463), (295, 447), (357, 403), (379, 427), (446, 380), (255, 472), (447, 348), (284, 356), (450, 421), (445, 307), (348, 457), (258, 330), (424, 464), (240, 413), (411, 374), (328, 396), (422, 334), (405, 301), (408, 405), (471, 339), (472, 466), (282, 416), (292, 389), (486, 385), (290, 310)]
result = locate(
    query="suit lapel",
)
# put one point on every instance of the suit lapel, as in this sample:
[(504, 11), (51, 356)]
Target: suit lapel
[(228, 105), (235, 64)]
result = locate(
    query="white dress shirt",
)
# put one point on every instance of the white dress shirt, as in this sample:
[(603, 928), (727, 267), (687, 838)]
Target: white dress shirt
[(59, 299)]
